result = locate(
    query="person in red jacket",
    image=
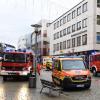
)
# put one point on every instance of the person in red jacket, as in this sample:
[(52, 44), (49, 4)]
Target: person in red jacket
[(38, 68)]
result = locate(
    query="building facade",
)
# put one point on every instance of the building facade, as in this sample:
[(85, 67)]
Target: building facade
[(24, 42), (77, 30), (42, 40)]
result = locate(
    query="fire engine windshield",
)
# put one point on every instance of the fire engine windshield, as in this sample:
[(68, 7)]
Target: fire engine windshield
[(73, 65), (14, 58)]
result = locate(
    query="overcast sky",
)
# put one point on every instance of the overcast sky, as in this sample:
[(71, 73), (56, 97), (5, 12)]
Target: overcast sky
[(16, 16)]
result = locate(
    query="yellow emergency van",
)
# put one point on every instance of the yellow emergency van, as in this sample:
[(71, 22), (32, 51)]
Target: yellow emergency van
[(71, 72)]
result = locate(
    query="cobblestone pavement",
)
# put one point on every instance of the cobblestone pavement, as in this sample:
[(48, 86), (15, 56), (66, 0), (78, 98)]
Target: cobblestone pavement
[(19, 90)]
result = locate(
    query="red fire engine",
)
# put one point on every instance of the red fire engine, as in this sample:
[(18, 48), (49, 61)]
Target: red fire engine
[(95, 64), (16, 64)]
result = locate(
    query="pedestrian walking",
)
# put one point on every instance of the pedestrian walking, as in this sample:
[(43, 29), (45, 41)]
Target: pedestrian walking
[(38, 68)]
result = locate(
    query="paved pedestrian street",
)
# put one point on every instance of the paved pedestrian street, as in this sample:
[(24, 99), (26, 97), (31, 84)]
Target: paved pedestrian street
[(19, 90)]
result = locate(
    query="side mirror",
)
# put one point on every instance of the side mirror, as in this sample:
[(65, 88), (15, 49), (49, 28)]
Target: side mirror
[(1, 59)]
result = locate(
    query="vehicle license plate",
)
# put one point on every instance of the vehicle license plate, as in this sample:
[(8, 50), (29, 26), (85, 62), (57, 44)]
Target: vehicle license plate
[(81, 85)]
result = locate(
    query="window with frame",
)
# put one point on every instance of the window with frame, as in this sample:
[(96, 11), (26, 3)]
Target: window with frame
[(97, 58), (57, 24), (98, 19), (57, 35), (64, 44), (69, 30), (57, 46), (73, 28), (84, 7), (98, 38), (68, 43), (84, 39), (73, 14), (61, 45), (57, 65), (79, 25), (79, 41), (64, 19), (84, 23), (54, 36), (73, 42), (61, 22), (78, 11), (68, 17), (54, 47), (45, 33), (98, 3), (61, 33), (64, 32)]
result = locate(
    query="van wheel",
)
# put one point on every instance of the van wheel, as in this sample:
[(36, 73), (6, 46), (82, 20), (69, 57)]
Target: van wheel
[(94, 72), (88, 86)]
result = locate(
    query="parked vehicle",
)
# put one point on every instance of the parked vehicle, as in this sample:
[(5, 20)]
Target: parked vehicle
[(71, 72), (47, 62), (95, 63), (49, 65), (16, 64)]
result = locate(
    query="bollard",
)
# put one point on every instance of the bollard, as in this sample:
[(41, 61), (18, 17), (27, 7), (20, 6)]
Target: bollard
[(32, 82)]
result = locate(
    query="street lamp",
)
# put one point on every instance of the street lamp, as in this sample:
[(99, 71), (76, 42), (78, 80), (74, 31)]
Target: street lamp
[(36, 26)]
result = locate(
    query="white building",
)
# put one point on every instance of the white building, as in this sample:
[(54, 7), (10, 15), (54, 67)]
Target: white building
[(77, 30), (42, 39), (24, 42)]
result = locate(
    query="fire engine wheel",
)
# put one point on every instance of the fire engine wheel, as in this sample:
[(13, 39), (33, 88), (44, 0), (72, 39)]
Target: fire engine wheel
[(94, 72), (4, 78), (88, 85)]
